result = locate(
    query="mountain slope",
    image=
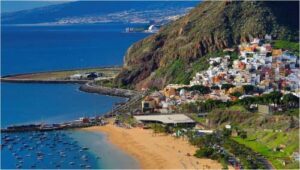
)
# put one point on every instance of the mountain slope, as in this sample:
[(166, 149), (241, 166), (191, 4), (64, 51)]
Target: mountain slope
[(159, 59)]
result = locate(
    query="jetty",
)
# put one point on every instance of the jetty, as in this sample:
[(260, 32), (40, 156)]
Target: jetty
[(81, 123)]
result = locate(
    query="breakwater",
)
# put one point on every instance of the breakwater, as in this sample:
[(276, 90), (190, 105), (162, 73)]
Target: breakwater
[(90, 87), (81, 123)]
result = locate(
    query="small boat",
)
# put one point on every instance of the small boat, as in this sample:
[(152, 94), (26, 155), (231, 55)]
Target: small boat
[(85, 148), (40, 153), (19, 158), (71, 163)]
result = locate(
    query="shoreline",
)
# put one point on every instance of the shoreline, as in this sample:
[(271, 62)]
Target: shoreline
[(155, 151), (152, 152)]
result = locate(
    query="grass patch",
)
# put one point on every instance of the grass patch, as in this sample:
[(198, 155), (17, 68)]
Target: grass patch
[(287, 45), (266, 141), (237, 108), (197, 119)]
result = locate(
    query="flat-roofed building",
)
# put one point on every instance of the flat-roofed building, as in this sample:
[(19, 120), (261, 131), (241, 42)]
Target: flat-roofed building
[(167, 119), (265, 109)]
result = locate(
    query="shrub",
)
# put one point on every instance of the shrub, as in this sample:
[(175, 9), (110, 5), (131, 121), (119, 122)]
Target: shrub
[(204, 152)]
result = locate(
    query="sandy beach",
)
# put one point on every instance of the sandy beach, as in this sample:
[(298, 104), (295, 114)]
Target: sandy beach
[(155, 151)]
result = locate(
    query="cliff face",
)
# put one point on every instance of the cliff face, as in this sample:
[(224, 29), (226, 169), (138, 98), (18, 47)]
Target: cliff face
[(210, 27)]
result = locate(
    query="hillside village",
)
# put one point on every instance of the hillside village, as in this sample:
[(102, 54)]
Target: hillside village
[(258, 67), (252, 82)]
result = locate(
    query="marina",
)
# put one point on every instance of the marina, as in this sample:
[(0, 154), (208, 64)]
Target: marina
[(56, 149)]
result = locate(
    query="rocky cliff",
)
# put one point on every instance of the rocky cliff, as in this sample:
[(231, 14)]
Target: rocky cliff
[(164, 57)]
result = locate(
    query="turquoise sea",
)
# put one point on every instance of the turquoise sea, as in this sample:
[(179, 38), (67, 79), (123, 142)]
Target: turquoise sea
[(43, 48)]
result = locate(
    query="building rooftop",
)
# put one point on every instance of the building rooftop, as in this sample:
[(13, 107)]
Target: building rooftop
[(166, 119)]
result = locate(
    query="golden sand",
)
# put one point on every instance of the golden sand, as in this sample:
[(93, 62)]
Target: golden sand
[(155, 151)]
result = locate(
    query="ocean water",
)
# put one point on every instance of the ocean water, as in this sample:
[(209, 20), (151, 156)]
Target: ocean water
[(43, 48), (50, 103), (71, 149)]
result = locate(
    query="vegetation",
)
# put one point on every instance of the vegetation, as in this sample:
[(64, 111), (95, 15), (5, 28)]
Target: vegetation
[(219, 146), (287, 45), (106, 83), (189, 108), (199, 88), (175, 70), (129, 120), (248, 158), (195, 117), (266, 142), (249, 89), (208, 28), (227, 86)]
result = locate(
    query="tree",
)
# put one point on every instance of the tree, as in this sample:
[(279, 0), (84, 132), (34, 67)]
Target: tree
[(201, 89), (204, 152), (215, 88), (226, 132), (189, 107), (236, 94), (247, 101), (243, 134), (290, 100), (249, 89), (275, 97), (227, 86)]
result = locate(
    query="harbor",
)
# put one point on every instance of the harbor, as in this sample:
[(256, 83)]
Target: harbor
[(55, 149), (80, 123)]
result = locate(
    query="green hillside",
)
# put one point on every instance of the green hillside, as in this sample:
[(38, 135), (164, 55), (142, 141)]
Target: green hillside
[(173, 54)]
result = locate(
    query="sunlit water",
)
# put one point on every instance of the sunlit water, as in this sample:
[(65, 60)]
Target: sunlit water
[(30, 49)]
